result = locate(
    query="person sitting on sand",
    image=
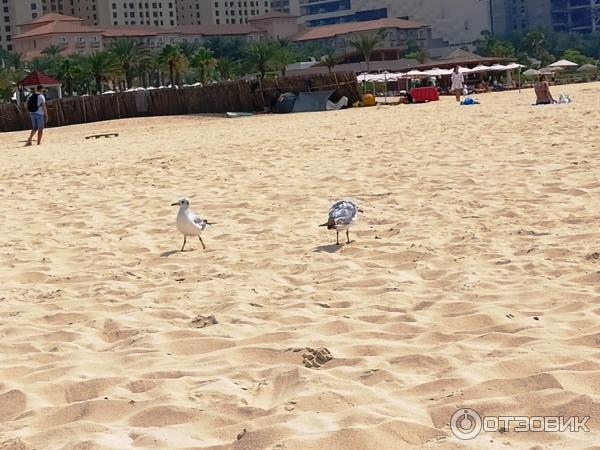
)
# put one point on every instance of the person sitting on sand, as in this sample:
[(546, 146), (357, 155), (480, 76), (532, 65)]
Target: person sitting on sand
[(542, 92)]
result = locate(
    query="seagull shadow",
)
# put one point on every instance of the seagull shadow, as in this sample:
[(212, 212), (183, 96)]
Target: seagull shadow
[(169, 253), (331, 248)]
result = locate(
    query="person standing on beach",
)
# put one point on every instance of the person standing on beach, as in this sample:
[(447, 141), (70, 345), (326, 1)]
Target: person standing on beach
[(458, 83), (36, 104)]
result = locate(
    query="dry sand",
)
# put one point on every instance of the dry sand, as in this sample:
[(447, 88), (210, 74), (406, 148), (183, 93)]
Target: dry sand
[(473, 280)]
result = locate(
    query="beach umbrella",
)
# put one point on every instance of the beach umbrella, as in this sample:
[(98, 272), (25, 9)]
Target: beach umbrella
[(416, 73), (437, 72), (531, 73), (498, 67), (563, 63), (480, 68), (587, 68), (513, 66)]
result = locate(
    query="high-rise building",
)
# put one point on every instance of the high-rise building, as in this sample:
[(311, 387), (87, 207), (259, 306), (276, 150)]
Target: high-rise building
[(576, 15), (559, 15), (513, 16), (160, 13), (452, 21), (13, 13), (220, 12), (56, 6)]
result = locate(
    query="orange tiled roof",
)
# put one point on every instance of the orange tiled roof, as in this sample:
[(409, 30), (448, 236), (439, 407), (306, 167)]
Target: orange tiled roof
[(329, 31), (58, 28), (53, 17)]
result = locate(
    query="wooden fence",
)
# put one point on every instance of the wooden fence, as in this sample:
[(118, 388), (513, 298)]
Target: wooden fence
[(235, 96)]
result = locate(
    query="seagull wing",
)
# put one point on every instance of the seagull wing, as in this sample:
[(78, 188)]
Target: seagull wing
[(200, 222), (343, 212)]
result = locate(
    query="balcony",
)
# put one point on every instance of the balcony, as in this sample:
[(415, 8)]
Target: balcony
[(80, 44), (95, 44)]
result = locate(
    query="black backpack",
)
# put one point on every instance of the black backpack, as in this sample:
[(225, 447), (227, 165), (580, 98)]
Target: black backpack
[(32, 103)]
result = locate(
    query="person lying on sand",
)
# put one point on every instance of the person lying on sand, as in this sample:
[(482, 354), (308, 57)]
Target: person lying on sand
[(542, 92)]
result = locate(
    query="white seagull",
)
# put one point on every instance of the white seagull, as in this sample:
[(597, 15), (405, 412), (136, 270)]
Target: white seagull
[(188, 223), (342, 215)]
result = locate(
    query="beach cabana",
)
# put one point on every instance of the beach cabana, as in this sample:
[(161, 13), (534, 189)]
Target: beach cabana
[(37, 78), (563, 63)]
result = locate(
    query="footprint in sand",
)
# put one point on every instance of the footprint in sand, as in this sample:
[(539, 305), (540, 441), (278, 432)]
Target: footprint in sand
[(315, 358), (203, 322)]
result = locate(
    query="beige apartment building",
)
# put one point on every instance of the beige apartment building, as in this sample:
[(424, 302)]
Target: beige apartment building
[(57, 6), (452, 22), (158, 13), (220, 12), (14, 12)]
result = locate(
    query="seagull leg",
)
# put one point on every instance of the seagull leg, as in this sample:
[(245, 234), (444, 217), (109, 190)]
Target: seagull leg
[(183, 246), (202, 242), (337, 237), (348, 236)]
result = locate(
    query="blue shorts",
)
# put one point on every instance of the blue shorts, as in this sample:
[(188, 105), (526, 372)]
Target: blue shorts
[(37, 121)]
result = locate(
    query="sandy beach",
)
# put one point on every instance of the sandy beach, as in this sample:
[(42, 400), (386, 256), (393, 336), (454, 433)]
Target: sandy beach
[(473, 279)]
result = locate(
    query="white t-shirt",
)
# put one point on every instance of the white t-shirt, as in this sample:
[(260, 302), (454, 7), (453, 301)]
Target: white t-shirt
[(40, 102), (458, 81)]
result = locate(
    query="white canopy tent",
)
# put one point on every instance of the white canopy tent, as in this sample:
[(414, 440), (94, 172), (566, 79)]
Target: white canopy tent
[(384, 77)]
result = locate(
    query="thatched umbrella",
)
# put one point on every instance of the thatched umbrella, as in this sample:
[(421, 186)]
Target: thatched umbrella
[(587, 68), (531, 73)]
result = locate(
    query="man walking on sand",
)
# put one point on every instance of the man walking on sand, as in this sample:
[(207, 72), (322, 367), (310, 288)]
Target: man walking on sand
[(36, 105)]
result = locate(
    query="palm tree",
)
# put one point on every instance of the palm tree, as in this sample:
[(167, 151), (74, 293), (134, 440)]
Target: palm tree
[(101, 66), (41, 63), (7, 83), (421, 55), (172, 57), (129, 53), (71, 71), (330, 59), (148, 69), (534, 43), (260, 56), (225, 67), (366, 43), (16, 60), (52, 51), (204, 61), (284, 55), (188, 49)]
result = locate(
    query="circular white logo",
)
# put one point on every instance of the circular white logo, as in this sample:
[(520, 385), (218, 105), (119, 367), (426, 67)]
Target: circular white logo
[(465, 424)]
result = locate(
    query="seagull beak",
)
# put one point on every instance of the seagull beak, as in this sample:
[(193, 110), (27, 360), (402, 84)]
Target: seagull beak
[(360, 211), (174, 204)]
